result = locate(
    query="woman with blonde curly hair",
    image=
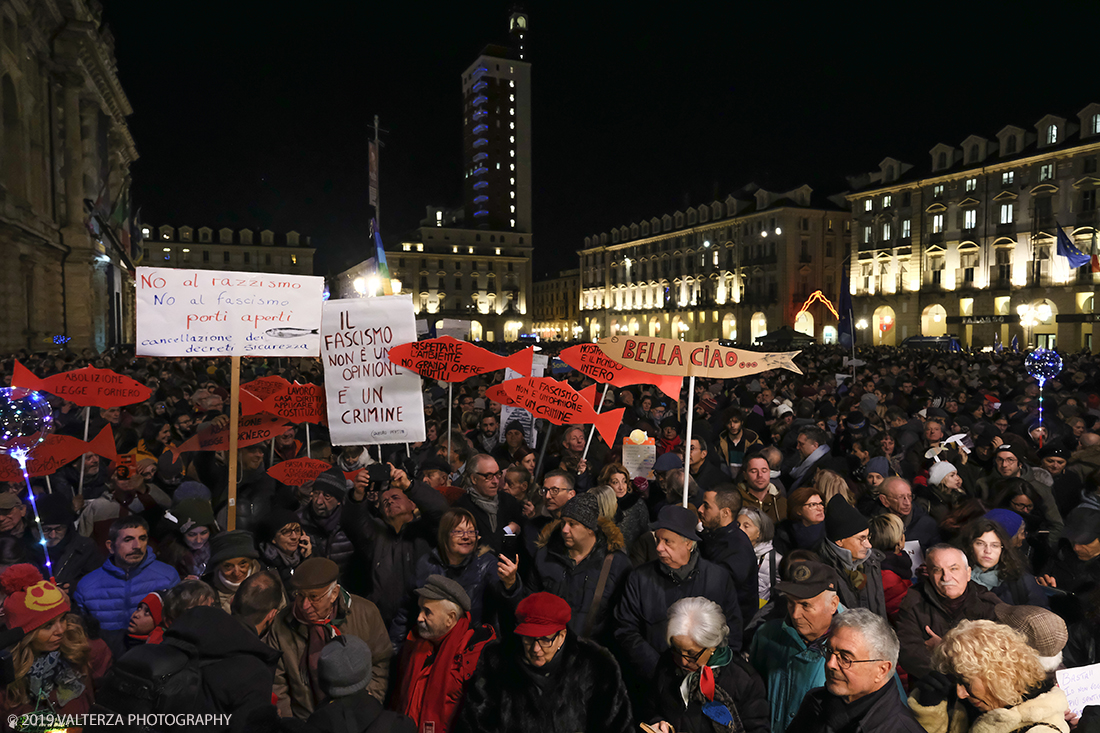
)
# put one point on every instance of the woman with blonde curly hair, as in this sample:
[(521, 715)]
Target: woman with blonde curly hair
[(991, 668), (829, 484)]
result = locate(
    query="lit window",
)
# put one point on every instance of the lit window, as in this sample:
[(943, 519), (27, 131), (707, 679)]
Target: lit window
[(497, 250), (937, 190), (886, 231), (167, 249), (512, 139), (1007, 178), (146, 232), (1046, 172), (512, 111), (970, 219), (419, 248), (512, 97), (454, 249), (513, 208), (512, 181), (513, 222), (407, 247), (906, 228), (866, 235), (294, 259), (512, 125), (937, 223), (971, 184), (1052, 134), (513, 194), (868, 205), (512, 166), (512, 153), (469, 250), (1006, 213), (887, 200)]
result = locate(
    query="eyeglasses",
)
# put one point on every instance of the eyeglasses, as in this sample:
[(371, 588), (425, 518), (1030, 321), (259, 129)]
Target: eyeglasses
[(489, 475), (843, 660), (1022, 506), (813, 505), (293, 531), (544, 642), (54, 529), (554, 490), (313, 598), (464, 533), (688, 656), (989, 545)]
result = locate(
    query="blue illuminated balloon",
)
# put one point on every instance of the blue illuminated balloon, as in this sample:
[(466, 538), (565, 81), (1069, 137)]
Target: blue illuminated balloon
[(26, 418), (1043, 364)]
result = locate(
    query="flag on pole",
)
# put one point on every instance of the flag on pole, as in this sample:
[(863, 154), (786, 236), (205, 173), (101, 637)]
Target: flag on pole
[(845, 335), (1015, 343), (380, 260), (1065, 248), (1095, 254)]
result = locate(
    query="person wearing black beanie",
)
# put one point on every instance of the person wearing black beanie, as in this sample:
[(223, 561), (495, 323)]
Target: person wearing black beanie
[(72, 555), (847, 549)]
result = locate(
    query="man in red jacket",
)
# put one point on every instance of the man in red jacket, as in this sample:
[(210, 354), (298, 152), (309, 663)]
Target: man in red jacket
[(438, 656)]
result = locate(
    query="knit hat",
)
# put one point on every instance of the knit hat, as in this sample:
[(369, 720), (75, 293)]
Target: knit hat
[(938, 472), (667, 462), (314, 572), (191, 513), (344, 666), (842, 519), (442, 588), (229, 545), (1009, 520), (1082, 526), (678, 519), (514, 425), (32, 602), (878, 465), (542, 614), (191, 490), (1045, 631), (583, 508), (1054, 450), (156, 607), (332, 482), (275, 520), (55, 509)]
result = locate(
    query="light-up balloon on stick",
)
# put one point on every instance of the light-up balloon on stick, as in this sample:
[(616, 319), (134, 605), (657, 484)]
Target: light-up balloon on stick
[(26, 418), (1043, 364)]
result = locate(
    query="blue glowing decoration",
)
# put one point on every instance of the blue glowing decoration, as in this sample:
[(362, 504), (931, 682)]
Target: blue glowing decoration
[(481, 99), (25, 420), (482, 212), (1041, 365), (480, 142), (480, 85), (479, 114), (481, 184), (481, 171), (480, 128), (480, 157), (60, 340)]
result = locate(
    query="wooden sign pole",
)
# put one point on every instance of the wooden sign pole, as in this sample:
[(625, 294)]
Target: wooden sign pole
[(234, 422)]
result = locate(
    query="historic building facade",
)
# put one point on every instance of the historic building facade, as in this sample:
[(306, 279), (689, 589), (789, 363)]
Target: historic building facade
[(226, 249), (66, 152), (966, 246), (556, 307), (732, 269)]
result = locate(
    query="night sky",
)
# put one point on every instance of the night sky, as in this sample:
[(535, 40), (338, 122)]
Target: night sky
[(250, 114)]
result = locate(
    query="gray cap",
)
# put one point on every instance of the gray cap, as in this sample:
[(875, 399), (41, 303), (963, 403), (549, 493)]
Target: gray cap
[(441, 588), (344, 666)]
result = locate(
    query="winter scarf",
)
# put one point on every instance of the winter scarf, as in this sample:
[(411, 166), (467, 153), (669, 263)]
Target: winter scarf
[(853, 569), (52, 672), (799, 471), (699, 687), (989, 579), (318, 633), (490, 506)]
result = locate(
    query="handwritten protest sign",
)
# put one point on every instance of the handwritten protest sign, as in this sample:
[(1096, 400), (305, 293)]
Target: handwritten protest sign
[(510, 413), (916, 556), (87, 387), (559, 403), (590, 361), (687, 358), (298, 471), (214, 313), (251, 429), (298, 403), (453, 361), (56, 451), (371, 400), (639, 455), (264, 387), (1081, 685)]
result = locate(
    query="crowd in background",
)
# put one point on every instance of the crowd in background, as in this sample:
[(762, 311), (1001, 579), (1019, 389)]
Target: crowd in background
[(898, 545)]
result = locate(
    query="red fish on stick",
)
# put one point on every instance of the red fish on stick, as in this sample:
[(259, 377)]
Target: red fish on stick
[(87, 387), (450, 360), (251, 429), (592, 362), (559, 403), (56, 451)]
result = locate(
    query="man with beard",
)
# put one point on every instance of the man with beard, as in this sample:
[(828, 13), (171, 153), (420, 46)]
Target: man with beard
[(287, 445), (439, 656), (129, 494), (320, 519), (726, 545), (485, 438), (67, 480), (389, 541)]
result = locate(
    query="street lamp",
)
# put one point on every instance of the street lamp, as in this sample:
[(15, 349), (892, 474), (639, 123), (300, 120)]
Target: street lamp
[(1032, 316)]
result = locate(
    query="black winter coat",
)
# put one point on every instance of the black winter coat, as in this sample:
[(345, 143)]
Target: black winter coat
[(72, 559), (888, 714), (242, 678), (584, 692), (358, 713), (329, 539), (737, 678), (923, 606), (642, 615), (552, 571), (732, 549), (388, 558), (872, 595), (508, 510)]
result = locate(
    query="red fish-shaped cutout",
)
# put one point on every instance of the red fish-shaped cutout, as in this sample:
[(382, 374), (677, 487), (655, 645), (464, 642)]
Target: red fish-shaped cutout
[(56, 451), (559, 403), (451, 360), (497, 394), (87, 387), (589, 360), (298, 471), (264, 387), (298, 403), (251, 429)]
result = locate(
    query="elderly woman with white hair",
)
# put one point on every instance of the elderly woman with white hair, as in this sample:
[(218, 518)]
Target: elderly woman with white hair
[(992, 669), (760, 530), (701, 685)]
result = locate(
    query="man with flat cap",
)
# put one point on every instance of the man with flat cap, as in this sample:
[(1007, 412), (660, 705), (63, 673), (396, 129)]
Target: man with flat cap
[(679, 572), (545, 677), (439, 656), (322, 611), (788, 652), (847, 549)]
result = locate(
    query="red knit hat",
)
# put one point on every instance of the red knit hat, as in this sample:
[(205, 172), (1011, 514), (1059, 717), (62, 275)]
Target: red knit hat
[(156, 607), (32, 602)]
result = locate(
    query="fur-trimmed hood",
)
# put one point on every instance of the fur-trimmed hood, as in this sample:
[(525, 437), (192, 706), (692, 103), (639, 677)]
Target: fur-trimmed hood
[(1049, 707), (606, 532)]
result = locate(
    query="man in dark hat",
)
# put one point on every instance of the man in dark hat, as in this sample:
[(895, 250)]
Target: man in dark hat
[(72, 555), (550, 675), (679, 572), (787, 652), (1075, 566), (1067, 486), (439, 656), (514, 439), (847, 549), (322, 610), (322, 520)]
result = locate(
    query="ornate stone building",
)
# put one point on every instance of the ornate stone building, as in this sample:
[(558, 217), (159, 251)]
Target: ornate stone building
[(966, 246), (732, 269), (225, 249), (556, 307), (65, 148)]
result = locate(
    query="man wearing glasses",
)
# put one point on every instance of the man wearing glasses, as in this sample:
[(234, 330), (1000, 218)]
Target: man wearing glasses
[(860, 656), (558, 488), (1008, 463), (497, 512), (550, 678), (847, 548)]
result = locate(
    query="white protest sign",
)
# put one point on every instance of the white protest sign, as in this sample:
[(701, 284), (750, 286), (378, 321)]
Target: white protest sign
[(216, 313), (509, 414), (916, 556), (1081, 685), (371, 400), (638, 460)]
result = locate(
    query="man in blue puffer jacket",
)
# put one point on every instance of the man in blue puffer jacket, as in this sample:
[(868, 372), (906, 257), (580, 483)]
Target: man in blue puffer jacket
[(131, 572)]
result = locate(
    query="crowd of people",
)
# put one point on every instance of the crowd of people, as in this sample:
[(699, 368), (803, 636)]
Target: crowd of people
[(899, 545)]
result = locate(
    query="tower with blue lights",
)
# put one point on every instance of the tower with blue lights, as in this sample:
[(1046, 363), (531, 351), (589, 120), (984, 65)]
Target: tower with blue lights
[(496, 141)]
